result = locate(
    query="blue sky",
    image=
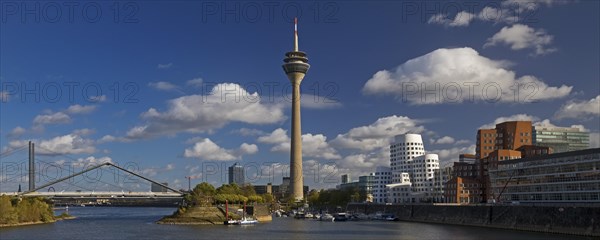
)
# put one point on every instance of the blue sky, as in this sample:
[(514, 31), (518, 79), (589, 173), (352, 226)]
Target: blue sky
[(153, 85)]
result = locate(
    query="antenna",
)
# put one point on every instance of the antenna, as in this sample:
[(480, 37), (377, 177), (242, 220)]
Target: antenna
[(295, 34)]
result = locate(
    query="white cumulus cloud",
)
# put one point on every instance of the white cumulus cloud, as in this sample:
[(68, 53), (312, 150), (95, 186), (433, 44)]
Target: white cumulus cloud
[(461, 19), (459, 75), (445, 140), (226, 103), (377, 134), (313, 145), (580, 109), (16, 132), (60, 145), (521, 36), (79, 109), (206, 149), (52, 118)]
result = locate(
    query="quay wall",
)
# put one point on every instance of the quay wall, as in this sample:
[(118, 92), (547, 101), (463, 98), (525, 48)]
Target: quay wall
[(583, 221)]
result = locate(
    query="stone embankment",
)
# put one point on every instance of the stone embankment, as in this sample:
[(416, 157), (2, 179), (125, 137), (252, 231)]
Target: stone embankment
[(583, 221)]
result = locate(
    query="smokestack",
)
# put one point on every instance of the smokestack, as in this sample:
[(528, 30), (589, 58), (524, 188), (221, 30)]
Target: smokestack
[(31, 166)]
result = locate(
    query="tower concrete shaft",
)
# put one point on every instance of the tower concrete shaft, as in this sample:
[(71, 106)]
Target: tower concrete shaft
[(295, 67)]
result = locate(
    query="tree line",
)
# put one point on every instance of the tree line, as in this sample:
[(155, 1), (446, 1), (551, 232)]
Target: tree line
[(14, 210), (206, 194)]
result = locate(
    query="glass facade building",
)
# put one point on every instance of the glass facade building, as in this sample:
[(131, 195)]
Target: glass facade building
[(569, 177), (236, 174), (561, 139)]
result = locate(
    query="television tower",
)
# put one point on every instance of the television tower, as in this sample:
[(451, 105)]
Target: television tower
[(295, 67)]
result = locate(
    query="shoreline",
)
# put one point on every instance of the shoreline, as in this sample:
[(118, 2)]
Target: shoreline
[(25, 224), (37, 223)]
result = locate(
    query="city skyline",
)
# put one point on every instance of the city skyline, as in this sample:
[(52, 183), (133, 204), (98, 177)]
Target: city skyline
[(374, 66)]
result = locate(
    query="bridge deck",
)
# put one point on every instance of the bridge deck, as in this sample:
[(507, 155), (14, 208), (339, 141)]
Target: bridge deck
[(95, 194)]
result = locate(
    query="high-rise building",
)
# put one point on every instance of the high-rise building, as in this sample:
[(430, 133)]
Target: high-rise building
[(403, 150), (561, 139), (295, 67), (236, 174), (511, 135), (410, 164), (486, 142), (345, 178), (499, 144), (507, 135)]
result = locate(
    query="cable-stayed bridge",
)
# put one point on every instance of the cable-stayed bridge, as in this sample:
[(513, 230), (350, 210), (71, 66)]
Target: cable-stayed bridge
[(87, 185)]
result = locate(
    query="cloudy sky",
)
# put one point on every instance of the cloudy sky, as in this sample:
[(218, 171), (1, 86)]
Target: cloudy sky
[(186, 89)]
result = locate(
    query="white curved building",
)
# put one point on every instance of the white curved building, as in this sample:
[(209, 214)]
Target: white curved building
[(402, 153), (408, 158)]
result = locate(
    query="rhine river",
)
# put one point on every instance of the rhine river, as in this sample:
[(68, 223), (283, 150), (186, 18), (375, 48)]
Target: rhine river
[(138, 223)]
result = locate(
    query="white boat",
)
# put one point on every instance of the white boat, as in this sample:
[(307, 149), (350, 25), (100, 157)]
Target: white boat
[(326, 217), (231, 222), (308, 215), (247, 221)]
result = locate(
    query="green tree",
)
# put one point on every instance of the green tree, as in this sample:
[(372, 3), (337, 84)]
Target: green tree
[(205, 189), (268, 198), (7, 211), (313, 197), (229, 189), (248, 190)]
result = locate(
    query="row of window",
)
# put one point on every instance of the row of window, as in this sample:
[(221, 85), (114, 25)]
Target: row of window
[(406, 149), (407, 144)]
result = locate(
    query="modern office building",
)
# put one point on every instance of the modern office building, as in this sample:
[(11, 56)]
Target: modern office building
[(511, 135), (401, 191), (403, 150), (486, 142), (381, 177), (464, 190), (364, 184), (507, 135), (236, 174), (410, 164), (561, 139), (440, 177), (569, 177), (500, 144), (465, 184), (346, 178), (533, 150)]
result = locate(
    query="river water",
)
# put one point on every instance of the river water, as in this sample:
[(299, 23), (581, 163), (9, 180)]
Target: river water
[(138, 223)]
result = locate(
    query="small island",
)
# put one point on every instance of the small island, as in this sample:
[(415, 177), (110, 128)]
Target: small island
[(207, 205)]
